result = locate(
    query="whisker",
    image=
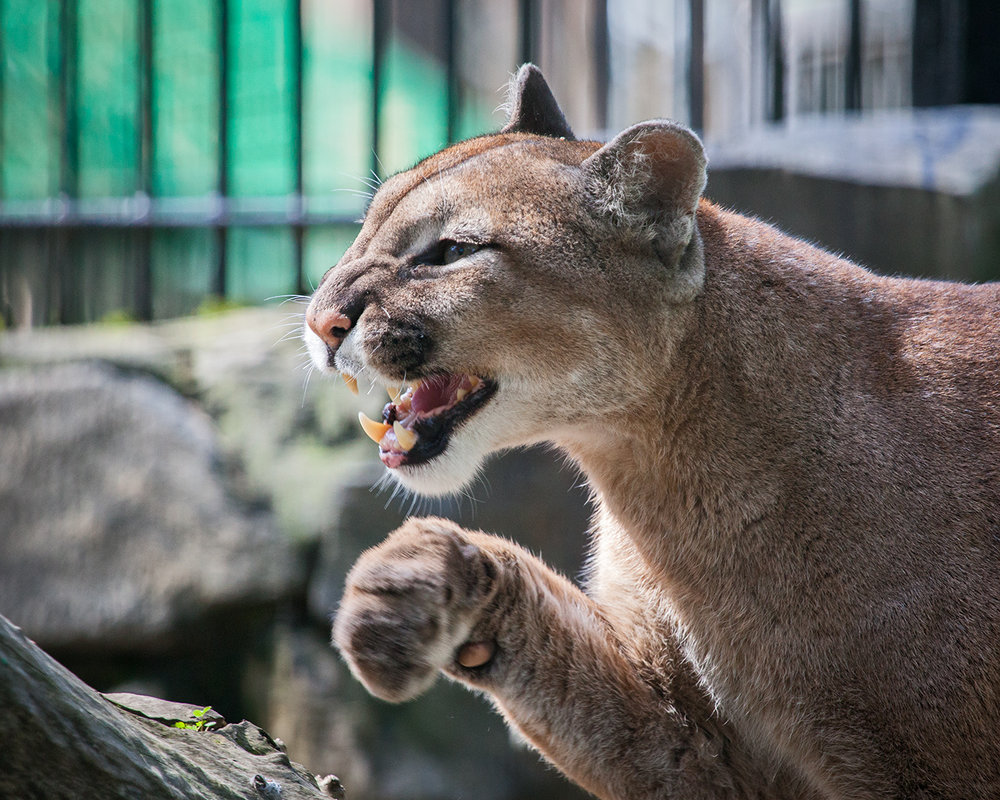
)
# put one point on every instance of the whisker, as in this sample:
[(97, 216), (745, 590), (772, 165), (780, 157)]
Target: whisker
[(355, 192), (288, 336), (381, 166), (305, 385)]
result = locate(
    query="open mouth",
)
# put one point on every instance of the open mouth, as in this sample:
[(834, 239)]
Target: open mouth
[(420, 419)]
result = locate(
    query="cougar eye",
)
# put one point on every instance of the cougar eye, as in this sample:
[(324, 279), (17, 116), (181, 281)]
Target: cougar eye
[(453, 251), (446, 251)]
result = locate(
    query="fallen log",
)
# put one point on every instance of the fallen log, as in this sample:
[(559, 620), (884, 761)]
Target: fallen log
[(61, 739)]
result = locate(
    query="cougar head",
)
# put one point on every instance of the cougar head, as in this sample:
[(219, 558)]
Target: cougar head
[(513, 288)]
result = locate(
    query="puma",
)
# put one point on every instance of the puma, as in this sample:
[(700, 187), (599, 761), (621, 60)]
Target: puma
[(794, 582)]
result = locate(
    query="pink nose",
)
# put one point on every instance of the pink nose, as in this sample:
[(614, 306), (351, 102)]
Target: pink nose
[(328, 324)]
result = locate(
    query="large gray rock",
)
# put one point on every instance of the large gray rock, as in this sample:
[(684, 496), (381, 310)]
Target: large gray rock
[(117, 526), (293, 440)]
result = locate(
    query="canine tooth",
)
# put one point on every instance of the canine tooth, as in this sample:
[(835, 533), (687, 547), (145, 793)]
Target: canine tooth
[(474, 383), (404, 436), (351, 381), (461, 394), (373, 430), (393, 391)]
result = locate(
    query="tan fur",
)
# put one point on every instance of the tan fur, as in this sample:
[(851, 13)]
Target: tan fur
[(795, 582)]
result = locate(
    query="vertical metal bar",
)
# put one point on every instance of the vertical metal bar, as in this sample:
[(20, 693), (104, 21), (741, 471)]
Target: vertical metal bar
[(852, 67), (5, 300), (144, 244), (222, 153), (380, 30), (145, 46), (69, 154), (451, 68), (696, 66), (6, 265), (775, 48), (602, 61), (527, 18), (67, 301), (298, 164), (3, 70)]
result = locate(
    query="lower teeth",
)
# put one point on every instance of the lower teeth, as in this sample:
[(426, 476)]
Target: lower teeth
[(404, 436)]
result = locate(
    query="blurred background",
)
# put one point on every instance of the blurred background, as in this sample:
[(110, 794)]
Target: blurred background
[(155, 153), (178, 502)]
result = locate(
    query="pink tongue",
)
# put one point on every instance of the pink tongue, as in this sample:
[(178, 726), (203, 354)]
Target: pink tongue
[(435, 392)]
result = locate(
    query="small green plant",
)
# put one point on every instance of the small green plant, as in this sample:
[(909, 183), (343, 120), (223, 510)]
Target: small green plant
[(118, 317), (213, 304), (196, 726)]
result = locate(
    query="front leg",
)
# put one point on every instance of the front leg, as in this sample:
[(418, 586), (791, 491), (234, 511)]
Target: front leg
[(410, 605), (436, 597)]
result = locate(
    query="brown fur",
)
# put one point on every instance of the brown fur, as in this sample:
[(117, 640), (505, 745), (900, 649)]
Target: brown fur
[(795, 582)]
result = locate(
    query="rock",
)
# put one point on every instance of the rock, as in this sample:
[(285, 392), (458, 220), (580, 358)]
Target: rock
[(118, 529), (63, 740), (289, 442)]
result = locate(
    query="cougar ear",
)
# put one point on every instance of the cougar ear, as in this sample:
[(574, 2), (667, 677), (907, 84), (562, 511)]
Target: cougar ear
[(533, 109), (649, 179), (650, 173)]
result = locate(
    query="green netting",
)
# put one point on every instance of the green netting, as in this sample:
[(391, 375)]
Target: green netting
[(102, 268), (260, 98), (108, 95), (414, 115), (337, 94), (30, 168), (185, 97)]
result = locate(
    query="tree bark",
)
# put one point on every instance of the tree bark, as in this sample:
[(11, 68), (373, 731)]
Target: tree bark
[(61, 739)]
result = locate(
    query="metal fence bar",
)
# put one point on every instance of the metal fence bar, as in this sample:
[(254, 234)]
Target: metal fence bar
[(451, 68), (528, 28), (381, 17), (298, 162), (144, 240), (602, 61), (696, 66), (159, 218), (222, 152), (852, 66), (67, 299), (775, 59), (3, 72)]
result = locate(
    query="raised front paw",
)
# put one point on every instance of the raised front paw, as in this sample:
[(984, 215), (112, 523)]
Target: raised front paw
[(410, 605)]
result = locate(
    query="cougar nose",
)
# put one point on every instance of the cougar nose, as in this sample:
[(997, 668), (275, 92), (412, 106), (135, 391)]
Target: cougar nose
[(329, 325)]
